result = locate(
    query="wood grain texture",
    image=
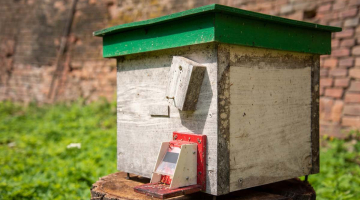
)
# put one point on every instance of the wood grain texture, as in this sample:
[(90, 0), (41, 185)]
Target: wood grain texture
[(116, 187), (185, 171), (270, 116), (161, 110), (258, 108), (186, 78), (141, 83)]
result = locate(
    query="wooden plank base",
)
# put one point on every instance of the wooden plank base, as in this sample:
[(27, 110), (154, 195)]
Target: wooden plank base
[(116, 186), (162, 191)]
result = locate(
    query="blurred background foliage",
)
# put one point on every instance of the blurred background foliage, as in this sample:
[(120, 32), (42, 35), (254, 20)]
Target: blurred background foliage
[(339, 176), (35, 162)]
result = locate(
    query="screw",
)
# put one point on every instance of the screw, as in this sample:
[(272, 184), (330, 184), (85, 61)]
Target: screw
[(240, 181), (187, 178), (175, 137), (180, 67), (194, 152), (200, 173), (199, 141)]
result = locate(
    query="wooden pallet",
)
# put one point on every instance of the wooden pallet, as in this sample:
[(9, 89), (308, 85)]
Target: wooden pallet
[(116, 186)]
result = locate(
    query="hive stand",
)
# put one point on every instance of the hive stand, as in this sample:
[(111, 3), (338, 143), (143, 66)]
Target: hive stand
[(116, 186)]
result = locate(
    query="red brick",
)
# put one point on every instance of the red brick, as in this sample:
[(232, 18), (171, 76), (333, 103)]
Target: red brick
[(285, 9), (321, 91), (345, 33), (339, 5), (356, 50), (351, 22), (330, 63), (335, 43), (342, 82), (352, 97), (351, 109), (340, 52), (334, 92), (336, 111), (347, 42), (323, 72), (357, 62), (351, 121), (331, 129), (354, 73), (325, 56), (59, 5), (263, 6), (336, 23), (348, 13), (338, 72), (354, 2), (330, 16), (326, 82), (280, 2), (325, 7), (354, 86), (296, 16), (346, 62), (325, 108)]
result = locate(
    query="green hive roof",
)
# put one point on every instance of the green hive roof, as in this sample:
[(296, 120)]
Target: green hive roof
[(216, 23)]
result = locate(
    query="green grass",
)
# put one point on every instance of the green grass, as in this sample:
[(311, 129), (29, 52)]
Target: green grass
[(339, 176), (35, 162)]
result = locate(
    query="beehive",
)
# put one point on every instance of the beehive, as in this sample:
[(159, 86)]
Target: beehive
[(258, 100)]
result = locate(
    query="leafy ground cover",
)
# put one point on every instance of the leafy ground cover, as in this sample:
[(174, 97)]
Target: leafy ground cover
[(339, 176), (36, 161)]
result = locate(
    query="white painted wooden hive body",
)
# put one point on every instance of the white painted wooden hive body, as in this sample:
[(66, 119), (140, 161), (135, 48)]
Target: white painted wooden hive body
[(258, 108)]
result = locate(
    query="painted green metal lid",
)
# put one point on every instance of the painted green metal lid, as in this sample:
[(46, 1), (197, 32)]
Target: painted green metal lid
[(216, 23)]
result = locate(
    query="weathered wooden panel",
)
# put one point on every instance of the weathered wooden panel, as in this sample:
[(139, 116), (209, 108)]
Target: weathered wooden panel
[(223, 115), (256, 106), (161, 110), (270, 116), (141, 83), (186, 78), (117, 187), (186, 166)]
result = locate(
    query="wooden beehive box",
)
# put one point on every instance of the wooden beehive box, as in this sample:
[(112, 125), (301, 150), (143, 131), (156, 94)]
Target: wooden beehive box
[(258, 100)]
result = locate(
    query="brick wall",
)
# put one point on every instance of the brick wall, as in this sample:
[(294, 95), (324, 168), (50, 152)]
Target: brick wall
[(31, 33)]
